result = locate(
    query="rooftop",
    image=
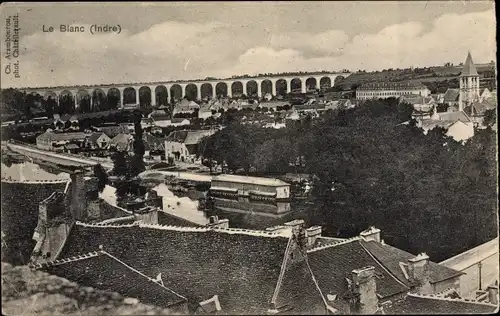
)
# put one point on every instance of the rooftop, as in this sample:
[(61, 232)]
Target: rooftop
[(252, 180), (451, 95), (469, 68), (390, 257), (242, 267), (472, 256), (346, 256), (49, 136), (431, 304), (105, 272)]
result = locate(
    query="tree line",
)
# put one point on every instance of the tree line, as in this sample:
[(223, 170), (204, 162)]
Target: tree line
[(426, 192)]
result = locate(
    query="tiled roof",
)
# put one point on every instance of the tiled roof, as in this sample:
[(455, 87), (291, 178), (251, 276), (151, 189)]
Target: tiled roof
[(121, 141), (112, 131), (454, 116), (105, 272), (481, 107), (239, 266), (429, 304), (194, 137), (469, 68), (95, 136), (451, 95), (177, 136), (390, 257), (62, 136), (332, 264)]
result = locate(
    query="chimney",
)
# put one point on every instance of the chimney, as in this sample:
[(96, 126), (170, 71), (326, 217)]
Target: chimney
[(214, 221), (296, 225), (493, 293), (147, 215), (371, 233), (418, 270), (364, 287), (312, 233)]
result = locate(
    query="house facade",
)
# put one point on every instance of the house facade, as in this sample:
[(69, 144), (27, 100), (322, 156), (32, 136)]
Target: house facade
[(253, 187), (390, 90), (56, 141)]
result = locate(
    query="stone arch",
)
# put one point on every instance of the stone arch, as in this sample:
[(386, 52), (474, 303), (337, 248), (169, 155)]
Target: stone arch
[(191, 92), (207, 90), (296, 85), (221, 89), (161, 93), (50, 94), (281, 87), (236, 88), (266, 86), (66, 102), (99, 100), (252, 88), (84, 101), (145, 97), (129, 96), (325, 83), (338, 80), (176, 92), (311, 84), (113, 98)]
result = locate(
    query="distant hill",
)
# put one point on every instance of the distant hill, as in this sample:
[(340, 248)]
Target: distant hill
[(424, 75)]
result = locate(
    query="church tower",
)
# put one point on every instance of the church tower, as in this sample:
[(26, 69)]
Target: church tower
[(469, 84)]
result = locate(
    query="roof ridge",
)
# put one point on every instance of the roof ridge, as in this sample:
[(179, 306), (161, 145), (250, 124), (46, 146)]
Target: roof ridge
[(140, 273), (348, 240), (79, 257), (282, 271), (382, 266), (241, 231), (437, 297), (105, 224)]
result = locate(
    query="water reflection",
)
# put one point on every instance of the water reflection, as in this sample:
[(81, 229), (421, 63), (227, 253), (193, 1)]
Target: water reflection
[(28, 171)]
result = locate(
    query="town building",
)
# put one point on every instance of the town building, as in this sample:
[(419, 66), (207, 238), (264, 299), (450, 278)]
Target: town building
[(98, 140), (121, 142), (52, 141), (390, 90), (479, 267), (469, 84), (185, 106), (184, 145), (112, 130), (253, 187), (458, 125)]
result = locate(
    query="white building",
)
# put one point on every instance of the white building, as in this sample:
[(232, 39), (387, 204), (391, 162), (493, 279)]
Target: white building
[(390, 90), (256, 187), (457, 124)]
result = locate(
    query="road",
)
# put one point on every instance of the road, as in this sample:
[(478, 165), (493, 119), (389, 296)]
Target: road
[(56, 158)]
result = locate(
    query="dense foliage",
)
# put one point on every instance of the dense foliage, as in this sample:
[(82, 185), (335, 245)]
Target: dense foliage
[(127, 167), (426, 192)]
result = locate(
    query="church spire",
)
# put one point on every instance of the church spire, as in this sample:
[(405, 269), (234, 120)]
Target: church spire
[(469, 68)]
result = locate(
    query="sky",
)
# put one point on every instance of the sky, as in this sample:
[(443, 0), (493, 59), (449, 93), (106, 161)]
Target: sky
[(173, 41)]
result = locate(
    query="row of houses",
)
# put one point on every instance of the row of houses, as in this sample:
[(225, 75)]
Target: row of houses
[(76, 142)]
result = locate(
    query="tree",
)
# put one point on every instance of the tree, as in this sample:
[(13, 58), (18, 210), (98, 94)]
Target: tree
[(490, 117), (102, 176)]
